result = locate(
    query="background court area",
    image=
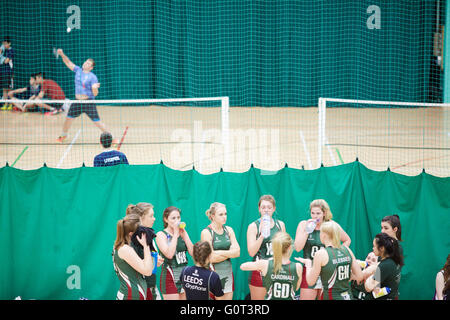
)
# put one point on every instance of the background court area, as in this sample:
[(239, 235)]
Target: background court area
[(282, 65), (404, 139)]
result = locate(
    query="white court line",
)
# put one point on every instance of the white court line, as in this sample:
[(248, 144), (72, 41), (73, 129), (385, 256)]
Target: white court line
[(68, 149), (330, 152), (305, 148)]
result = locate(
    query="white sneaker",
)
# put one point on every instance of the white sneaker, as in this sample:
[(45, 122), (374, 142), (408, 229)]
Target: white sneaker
[(66, 106)]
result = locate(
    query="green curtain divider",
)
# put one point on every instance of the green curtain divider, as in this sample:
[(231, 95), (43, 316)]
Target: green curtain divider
[(55, 221)]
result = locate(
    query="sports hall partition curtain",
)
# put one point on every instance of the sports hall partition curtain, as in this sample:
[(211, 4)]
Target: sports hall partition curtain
[(57, 227), (259, 53)]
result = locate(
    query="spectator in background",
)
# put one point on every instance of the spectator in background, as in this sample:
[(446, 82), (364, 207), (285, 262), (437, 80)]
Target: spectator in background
[(108, 157), (6, 70), (50, 90), (29, 93)]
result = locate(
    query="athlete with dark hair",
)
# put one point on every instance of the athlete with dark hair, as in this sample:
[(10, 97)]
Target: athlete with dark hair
[(174, 245), (388, 272), (198, 281), (109, 157)]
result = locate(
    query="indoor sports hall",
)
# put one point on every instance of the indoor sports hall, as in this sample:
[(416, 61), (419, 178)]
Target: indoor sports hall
[(220, 101)]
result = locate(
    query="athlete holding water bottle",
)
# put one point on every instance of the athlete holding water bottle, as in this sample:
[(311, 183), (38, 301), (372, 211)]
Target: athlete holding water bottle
[(310, 243), (334, 263), (260, 247), (174, 244)]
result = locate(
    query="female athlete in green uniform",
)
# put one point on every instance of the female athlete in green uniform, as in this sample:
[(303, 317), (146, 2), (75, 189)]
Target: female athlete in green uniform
[(147, 218), (392, 227), (129, 267), (388, 272), (224, 244), (281, 276), (311, 243), (259, 247), (334, 263), (174, 244)]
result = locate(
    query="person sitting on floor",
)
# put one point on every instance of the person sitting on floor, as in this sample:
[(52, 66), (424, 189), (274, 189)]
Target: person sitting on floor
[(29, 93)]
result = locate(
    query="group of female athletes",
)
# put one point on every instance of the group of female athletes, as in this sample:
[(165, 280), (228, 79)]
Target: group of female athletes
[(328, 269)]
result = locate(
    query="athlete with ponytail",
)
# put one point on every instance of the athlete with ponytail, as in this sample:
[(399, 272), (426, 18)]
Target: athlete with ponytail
[(310, 243), (388, 271), (281, 277), (334, 263), (392, 227), (200, 283), (147, 218), (129, 267), (224, 246)]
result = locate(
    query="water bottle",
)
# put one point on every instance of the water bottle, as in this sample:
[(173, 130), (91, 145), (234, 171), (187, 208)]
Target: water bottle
[(181, 225), (265, 221), (362, 264), (311, 226), (382, 292), (155, 261)]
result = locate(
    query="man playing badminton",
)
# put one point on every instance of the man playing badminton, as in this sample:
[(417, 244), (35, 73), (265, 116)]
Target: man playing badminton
[(86, 88)]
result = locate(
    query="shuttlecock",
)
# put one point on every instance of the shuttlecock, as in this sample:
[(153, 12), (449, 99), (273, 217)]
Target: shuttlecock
[(68, 29)]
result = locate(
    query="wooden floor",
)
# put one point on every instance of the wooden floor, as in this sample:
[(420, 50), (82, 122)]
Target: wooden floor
[(405, 140)]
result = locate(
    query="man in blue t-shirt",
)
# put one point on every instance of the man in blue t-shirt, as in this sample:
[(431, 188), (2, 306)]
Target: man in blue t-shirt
[(86, 88), (108, 157)]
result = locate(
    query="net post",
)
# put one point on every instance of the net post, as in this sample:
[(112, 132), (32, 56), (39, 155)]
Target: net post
[(225, 122), (321, 132)]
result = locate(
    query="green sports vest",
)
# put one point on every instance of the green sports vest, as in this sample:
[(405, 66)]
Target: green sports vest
[(265, 251), (335, 275), (151, 280), (179, 259), (221, 242), (389, 275), (281, 286), (132, 284), (312, 245)]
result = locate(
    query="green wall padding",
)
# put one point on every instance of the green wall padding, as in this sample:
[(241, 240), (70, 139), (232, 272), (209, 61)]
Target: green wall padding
[(257, 52)]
